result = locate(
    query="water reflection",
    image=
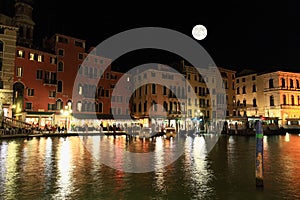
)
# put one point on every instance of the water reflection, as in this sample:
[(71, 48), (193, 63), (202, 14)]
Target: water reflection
[(65, 168), (10, 171), (69, 168)]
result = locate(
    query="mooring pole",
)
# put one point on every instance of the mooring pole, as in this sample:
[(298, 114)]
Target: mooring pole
[(259, 155)]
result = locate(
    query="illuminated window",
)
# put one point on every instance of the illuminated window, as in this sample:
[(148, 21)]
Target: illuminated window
[(40, 58), (20, 54), (80, 89), (19, 71), (79, 106), (31, 56)]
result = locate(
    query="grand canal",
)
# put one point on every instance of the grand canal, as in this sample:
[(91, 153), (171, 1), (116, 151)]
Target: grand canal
[(70, 168)]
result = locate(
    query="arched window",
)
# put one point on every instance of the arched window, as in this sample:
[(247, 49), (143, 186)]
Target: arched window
[(79, 106), (80, 89), (254, 102), (60, 66), (59, 104), (244, 102), (244, 89), (284, 99), (165, 105), (291, 83), (69, 104)]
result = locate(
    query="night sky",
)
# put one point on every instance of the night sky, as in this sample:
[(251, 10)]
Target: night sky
[(241, 34)]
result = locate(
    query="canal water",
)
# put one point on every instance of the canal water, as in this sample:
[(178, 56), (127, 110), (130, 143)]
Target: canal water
[(70, 168)]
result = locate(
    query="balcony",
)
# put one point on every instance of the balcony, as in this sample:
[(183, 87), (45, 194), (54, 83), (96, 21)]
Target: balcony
[(50, 82), (289, 106)]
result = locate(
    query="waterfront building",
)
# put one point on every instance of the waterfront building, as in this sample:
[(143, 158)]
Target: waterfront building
[(271, 94), (37, 82), (159, 98), (214, 90), (8, 39)]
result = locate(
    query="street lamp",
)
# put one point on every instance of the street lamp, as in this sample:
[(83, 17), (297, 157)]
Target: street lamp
[(66, 112)]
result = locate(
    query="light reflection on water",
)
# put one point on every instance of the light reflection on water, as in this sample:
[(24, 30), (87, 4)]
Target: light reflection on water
[(69, 168)]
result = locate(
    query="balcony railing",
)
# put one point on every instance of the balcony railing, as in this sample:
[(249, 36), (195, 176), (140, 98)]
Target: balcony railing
[(289, 106), (50, 81)]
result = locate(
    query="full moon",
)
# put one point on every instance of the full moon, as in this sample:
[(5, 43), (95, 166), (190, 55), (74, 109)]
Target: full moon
[(199, 32)]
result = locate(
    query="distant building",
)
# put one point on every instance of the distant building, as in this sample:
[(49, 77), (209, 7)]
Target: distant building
[(159, 99), (272, 94)]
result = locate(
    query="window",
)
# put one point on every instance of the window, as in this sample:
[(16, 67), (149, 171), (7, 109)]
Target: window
[(272, 100), (80, 56), (28, 106), (145, 106), (61, 52), (153, 89), (52, 60), (253, 78), (291, 83), (100, 108), (254, 88), (79, 106), (146, 89), (20, 54), (19, 71), (243, 79), (244, 102), (59, 86), (39, 74), (40, 58), (31, 56), (238, 90), (244, 89), (284, 99), (271, 83), (59, 104), (62, 40), (292, 100), (78, 44), (165, 106), (254, 102), (282, 82), (51, 106), (52, 93), (30, 92), (297, 84), (60, 67), (237, 80)]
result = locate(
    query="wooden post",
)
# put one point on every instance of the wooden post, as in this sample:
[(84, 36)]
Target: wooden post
[(259, 154)]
